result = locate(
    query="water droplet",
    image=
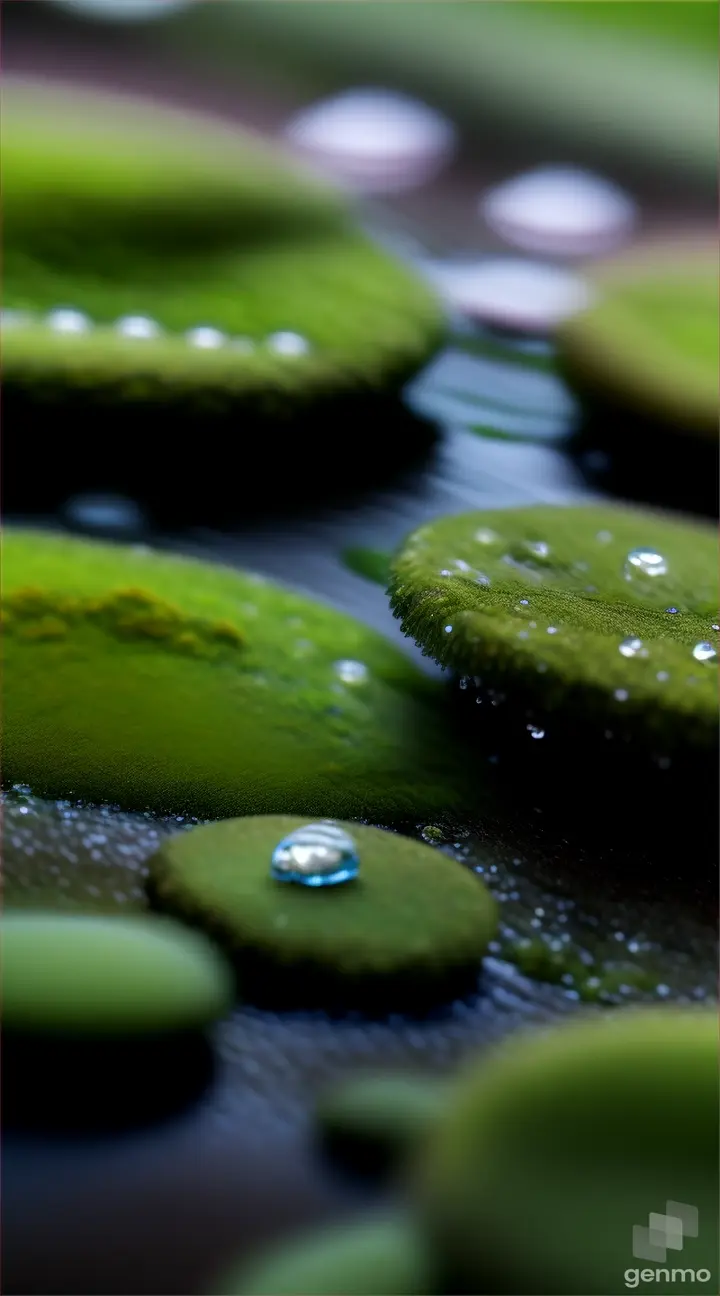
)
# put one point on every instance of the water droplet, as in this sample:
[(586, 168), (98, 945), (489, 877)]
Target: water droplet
[(448, 629), (705, 652), (662, 676), (621, 695), (478, 701), (631, 647), (715, 626), (482, 579), (535, 732), (66, 320), (538, 548), (445, 572), (509, 292), (206, 338), (485, 536), (123, 10), (464, 682), (523, 634), (662, 990), (377, 140), (552, 630), (351, 672), (138, 326), (286, 343), (320, 854), (560, 210), (604, 537), (524, 602), (644, 562)]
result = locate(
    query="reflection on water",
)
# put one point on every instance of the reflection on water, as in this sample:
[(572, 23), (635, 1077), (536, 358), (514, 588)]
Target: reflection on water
[(561, 211), (508, 292)]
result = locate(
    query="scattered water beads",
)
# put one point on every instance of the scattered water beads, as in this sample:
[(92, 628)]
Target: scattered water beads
[(142, 328), (351, 672), (705, 652), (320, 854), (633, 647), (645, 562)]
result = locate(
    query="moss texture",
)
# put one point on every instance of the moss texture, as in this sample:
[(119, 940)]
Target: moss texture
[(649, 345), (371, 1123), (118, 208), (409, 930), (535, 604), (375, 1257), (81, 975), (594, 1125), (166, 684)]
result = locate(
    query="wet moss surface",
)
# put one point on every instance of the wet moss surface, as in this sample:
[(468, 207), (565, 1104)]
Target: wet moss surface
[(408, 932), (182, 687), (242, 233), (634, 1096)]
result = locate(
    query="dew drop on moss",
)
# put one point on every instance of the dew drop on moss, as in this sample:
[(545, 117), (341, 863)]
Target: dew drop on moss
[(645, 562), (705, 652), (631, 647)]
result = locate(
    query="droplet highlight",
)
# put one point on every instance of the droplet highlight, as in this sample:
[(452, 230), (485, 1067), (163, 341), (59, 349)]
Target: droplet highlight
[(351, 672), (705, 652), (631, 647), (645, 562)]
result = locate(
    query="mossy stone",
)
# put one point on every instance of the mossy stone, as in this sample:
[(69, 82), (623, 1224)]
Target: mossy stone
[(540, 605), (410, 929), (372, 1122), (161, 683), (649, 344), (86, 976), (559, 1147), (375, 1257), (120, 209)]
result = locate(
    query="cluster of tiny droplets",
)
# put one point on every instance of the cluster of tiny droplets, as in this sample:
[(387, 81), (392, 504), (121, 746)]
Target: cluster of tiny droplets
[(141, 328)]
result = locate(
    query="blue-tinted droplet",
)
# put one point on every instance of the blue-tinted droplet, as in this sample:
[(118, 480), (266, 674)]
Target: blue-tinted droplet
[(318, 855), (631, 647), (705, 652)]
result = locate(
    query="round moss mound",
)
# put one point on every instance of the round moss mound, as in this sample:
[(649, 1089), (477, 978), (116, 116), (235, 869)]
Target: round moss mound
[(410, 929), (165, 684), (370, 1123), (649, 345), (543, 1175), (375, 1257), (586, 617), (124, 211), (78, 975)]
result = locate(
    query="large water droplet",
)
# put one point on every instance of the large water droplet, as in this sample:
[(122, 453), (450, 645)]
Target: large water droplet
[(514, 294), (631, 647), (535, 731), (448, 629), (621, 695), (705, 652), (559, 210), (320, 854), (66, 320), (351, 672), (538, 548), (485, 536), (123, 10), (376, 140), (644, 562), (138, 326)]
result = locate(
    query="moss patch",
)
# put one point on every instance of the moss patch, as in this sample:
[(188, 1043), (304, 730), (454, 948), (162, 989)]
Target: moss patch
[(160, 683), (411, 929), (376, 1257), (117, 209), (602, 1120), (534, 606), (650, 344), (79, 975), (371, 1122)]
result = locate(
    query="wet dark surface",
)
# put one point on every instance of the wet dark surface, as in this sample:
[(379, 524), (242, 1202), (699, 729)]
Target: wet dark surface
[(161, 1208)]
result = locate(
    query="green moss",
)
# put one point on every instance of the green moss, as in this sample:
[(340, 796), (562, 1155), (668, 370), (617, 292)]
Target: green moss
[(371, 1122), (557, 1148), (185, 688), (124, 209), (535, 604), (375, 1257), (411, 929), (650, 343), (373, 564), (81, 975)]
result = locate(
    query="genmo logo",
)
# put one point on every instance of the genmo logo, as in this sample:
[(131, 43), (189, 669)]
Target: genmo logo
[(663, 1233)]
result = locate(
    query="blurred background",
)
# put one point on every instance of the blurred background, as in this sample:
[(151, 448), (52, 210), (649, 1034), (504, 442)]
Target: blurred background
[(503, 149)]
